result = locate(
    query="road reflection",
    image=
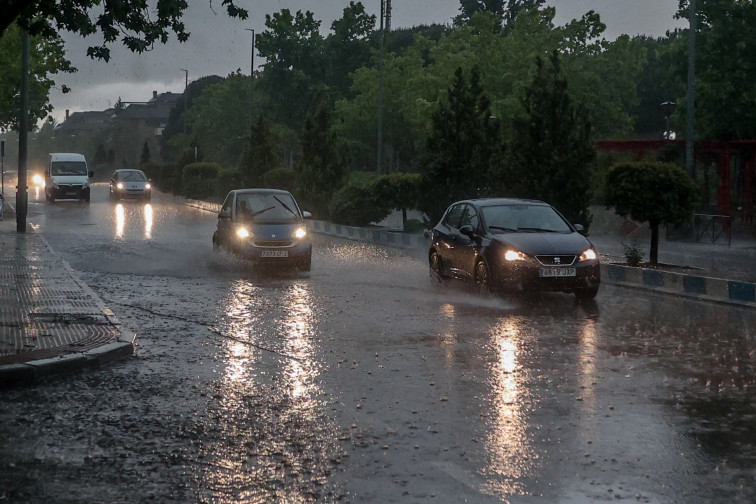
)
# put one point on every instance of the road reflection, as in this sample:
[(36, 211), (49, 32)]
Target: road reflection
[(132, 221), (509, 451), (272, 442)]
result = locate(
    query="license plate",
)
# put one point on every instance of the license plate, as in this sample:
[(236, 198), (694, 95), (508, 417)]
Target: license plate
[(274, 253), (557, 272), (71, 193)]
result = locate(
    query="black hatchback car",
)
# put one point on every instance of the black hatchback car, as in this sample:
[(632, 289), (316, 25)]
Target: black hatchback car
[(264, 226), (511, 245)]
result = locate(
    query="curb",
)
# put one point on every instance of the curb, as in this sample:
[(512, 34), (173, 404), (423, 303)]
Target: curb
[(691, 285)]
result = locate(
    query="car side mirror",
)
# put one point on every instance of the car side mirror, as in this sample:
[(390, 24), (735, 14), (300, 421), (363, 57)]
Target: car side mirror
[(579, 228), (90, 174), (306, 215), (467, 230), (224, 214)]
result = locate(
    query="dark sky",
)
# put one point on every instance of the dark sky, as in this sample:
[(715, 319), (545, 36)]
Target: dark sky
[(219, 45)]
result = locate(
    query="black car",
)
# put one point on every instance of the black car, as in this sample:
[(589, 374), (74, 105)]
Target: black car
[(264, 226), (511, 245)]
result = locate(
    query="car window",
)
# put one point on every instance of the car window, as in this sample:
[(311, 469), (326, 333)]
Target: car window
[(69, 168), (267, 208), (524, 218), (228, 203), (469, 217), (452, 216), (134, 176)]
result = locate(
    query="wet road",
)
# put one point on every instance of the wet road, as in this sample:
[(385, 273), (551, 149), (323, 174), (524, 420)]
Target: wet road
[(364, 382)]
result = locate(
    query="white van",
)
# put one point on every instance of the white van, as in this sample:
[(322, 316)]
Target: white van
[(67, 177)]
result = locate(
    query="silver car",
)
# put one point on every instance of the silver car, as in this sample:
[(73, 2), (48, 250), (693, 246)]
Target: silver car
[(128, 183)]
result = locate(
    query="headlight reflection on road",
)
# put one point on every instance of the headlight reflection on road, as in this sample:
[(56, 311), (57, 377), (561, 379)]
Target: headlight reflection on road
[(120, 219), (509, 449), (147, 221), (131, 216)]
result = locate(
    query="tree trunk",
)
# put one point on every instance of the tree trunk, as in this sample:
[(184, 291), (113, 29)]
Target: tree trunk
[(654, 256), (404, 219)]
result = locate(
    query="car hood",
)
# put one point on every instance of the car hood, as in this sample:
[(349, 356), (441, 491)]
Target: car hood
[(274, 231), (69, 179), (544, 243)]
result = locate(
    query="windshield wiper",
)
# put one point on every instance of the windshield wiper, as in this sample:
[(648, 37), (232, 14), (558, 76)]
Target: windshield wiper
[(286, 207), (501, 228), (254, 214), (536, 230)]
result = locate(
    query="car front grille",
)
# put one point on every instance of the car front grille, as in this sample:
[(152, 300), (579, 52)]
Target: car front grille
[(556, 260), (273, 243)]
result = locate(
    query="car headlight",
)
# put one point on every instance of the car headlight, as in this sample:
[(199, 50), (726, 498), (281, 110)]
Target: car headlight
[(588, 255), (119, 185), (38, 180), (147, 187), (243, 233), (85, 185), (300, 232), (515, 255)]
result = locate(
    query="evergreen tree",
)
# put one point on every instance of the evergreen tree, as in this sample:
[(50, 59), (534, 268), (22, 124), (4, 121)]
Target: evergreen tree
[(551, 151), (461, 147), (323, 169), (145, 158), (259, 156)]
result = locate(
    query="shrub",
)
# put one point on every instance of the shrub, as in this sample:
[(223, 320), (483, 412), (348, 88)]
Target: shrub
[(227, 181), (200, 180), (168, 179), (356, 205), (280, 178)]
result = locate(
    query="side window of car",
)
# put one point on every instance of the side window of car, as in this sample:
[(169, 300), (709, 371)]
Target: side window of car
[(228, 203), (469, 217), (452, 217)]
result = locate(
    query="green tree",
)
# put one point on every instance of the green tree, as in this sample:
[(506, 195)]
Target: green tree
[(348, 47), (551, 151), (259, 155), (46, 58), (657, 193), (460, 148), (292, 47), (323, 169), (398, 191), (139, 25), (505, 11), (145, 157)]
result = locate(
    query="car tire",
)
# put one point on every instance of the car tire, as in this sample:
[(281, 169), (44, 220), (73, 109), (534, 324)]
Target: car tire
[(586, 292), (436, 270), (482, 278), (306, 265)]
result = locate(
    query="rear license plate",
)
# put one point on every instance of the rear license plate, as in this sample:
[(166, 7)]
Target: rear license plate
[(557, 272), (274, 253)]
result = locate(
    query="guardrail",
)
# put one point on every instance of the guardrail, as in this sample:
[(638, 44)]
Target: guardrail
[(704, 228)]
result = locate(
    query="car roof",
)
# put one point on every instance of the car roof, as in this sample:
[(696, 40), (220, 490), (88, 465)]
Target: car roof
[(481, 202), (120, 170), (260, 191)]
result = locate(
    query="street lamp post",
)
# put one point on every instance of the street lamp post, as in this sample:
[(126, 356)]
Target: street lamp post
[(251, 78), (186, 86), (22, 203), (379, 153)]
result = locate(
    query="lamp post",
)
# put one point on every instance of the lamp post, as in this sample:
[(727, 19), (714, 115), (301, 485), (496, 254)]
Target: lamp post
[(186, 86), (668, 107), (379, 153), (690, 134), (251, 78), (22, 203)]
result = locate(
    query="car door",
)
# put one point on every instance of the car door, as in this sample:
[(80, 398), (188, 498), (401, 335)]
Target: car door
[(225, 221), (445, 237), (466, 247)]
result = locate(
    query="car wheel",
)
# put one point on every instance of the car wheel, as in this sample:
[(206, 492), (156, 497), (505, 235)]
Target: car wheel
[(306, 265), (482, 278), (586, 292), (436, 270)]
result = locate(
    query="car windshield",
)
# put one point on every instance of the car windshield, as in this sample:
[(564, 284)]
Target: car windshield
[(132, 176), (267, 208), (69, 168), (524, 218)]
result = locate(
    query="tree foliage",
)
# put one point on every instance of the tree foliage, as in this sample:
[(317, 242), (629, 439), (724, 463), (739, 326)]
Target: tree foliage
[(461, 146), (657, 193), (259, 155), (138, 25), (46, 58), (551, 151)]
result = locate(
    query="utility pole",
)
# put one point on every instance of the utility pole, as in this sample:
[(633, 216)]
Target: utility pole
[(690, 135), (22, 203), (186, 86), (388, 15), (379, 154), (251, 79)]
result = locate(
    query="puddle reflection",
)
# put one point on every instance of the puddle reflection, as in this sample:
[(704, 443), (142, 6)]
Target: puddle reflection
[(274, 443), (509, 450), (133, 221)]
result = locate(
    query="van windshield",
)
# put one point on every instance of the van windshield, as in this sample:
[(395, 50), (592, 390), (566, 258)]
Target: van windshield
[(69, 168)]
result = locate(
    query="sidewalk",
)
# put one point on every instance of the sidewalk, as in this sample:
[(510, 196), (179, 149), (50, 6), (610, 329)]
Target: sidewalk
[(51, 323)]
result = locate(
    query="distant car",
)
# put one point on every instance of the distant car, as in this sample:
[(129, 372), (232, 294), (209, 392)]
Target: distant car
[(511, 245), (264, 226), (128, 183)]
